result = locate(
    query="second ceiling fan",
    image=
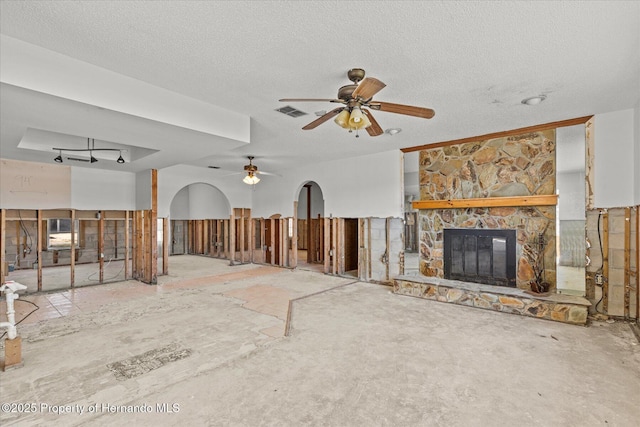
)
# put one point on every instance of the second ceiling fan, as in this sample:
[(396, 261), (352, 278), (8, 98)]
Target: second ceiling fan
[(358, 101)]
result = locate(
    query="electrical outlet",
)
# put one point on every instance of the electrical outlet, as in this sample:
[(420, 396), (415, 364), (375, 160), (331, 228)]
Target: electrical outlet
[(599, 279)]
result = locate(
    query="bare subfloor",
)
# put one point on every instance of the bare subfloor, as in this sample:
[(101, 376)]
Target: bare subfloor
[(206, 347)]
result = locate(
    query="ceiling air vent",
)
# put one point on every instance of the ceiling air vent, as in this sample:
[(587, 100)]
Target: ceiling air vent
[(290, 111)]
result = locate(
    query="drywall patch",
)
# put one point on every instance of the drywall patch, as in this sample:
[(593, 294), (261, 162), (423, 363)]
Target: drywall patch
[(148, 361)]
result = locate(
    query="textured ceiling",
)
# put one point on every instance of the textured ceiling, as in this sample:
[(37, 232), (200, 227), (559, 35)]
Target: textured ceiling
[(472, 62)]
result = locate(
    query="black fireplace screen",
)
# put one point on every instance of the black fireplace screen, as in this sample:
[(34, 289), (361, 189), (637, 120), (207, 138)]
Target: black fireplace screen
[(480, 255)]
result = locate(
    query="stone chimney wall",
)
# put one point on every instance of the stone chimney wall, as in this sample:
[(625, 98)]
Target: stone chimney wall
[(520, 165)]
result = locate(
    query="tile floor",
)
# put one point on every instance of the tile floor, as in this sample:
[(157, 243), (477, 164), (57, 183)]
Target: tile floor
[(187, 272)]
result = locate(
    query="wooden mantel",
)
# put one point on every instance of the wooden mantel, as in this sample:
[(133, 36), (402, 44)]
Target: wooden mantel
[(488, 202)]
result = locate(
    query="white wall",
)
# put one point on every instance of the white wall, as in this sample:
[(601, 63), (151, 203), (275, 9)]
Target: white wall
[(96, 189), (28, 185), (173, 179), (200, 201), (180, 205), (143, 190), (615, 178), (357, 187)]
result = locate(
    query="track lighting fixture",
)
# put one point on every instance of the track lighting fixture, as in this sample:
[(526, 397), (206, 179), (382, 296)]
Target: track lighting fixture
[(90, 148)]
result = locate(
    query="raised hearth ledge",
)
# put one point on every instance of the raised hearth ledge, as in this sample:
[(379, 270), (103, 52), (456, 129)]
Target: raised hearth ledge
[(488, 202), (556, 307)]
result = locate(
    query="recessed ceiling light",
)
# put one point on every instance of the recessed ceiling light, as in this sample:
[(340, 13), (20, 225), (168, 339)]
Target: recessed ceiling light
[(393, 131), (534, 100), (320, 113)]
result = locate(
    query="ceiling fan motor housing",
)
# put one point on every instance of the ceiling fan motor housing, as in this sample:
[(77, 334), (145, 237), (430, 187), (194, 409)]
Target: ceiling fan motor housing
[(345, 92), (355, 74)]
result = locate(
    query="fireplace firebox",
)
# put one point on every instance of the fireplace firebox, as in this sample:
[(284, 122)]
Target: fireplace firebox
[(486, 256)]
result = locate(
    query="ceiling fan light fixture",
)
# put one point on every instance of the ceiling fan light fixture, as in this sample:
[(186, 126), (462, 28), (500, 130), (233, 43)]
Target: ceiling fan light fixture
[(342, 119), (251, 179), (356, 120)]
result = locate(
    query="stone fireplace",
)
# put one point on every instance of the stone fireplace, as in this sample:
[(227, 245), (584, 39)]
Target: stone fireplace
[(487, 217), (492, 170)]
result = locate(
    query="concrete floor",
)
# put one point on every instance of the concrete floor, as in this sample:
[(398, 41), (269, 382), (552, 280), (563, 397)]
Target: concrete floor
[(207, 347)]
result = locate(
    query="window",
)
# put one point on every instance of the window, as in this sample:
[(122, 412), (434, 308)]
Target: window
[(59, 233)]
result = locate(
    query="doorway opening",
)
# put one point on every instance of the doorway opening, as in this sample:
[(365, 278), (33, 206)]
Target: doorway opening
[(310, 227)]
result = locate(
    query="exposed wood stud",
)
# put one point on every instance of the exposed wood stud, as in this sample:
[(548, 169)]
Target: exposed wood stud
[(101, 246), (165, 246), (250, 236), (232, 237), (153, 228), (39, 240), (369, 266), (361, 251), (134, 245), (219, 244), (3, 236), (637, 263), (282, 244), (19, 247), (127, 242), (294, 238), (340, 252), (627, 262), (605, 261), (310, 247), (225, 239), (72, 250), (242, 236), (387, 239), (272, 243), (334, 246), (327, 245)]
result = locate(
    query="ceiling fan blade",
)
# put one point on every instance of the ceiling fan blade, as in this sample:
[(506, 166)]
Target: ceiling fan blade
[(374, 129), (408, 110), (367, 88), (323, 118), (268, 173), (309, 100)]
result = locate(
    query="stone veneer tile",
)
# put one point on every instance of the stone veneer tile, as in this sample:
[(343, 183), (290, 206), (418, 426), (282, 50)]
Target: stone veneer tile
[(506, 302)]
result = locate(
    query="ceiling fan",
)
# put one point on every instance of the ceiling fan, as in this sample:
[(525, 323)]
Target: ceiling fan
[(355, 97), (252, 171)]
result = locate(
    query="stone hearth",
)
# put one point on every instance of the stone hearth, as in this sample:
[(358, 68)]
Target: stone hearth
[(556, 307)]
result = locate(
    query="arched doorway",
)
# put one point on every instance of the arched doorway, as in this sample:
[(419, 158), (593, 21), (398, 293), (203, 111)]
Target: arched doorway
[(310, 225), (199, 216)]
